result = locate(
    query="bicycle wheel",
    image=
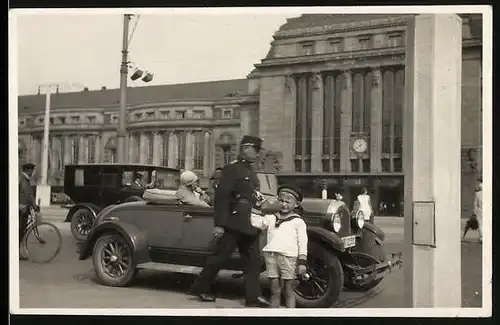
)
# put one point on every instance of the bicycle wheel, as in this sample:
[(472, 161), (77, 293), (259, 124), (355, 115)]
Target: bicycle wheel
[(42, 242)]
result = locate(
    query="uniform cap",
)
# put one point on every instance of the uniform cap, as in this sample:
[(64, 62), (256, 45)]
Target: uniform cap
[(252, 141), (291, 189)]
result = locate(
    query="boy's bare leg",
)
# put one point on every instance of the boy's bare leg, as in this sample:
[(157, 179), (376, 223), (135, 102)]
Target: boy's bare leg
[(275, 292), (289, 293)]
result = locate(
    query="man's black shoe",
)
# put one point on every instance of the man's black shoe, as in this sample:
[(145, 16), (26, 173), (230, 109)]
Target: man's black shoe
[(260, 302), (206, 297)]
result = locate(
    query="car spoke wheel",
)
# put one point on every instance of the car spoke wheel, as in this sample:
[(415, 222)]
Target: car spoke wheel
[(82, 223), (113, 260), (323, 287), (363, 260)]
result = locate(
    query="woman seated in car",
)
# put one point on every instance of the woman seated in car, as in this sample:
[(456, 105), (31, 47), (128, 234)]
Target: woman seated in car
[(189, 192)]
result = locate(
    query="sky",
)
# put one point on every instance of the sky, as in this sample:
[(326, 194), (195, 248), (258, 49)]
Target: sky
[(78, 50)]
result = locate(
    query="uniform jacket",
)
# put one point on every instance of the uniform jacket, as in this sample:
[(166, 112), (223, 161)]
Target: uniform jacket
[(26, 195), (235, 197), (188, 197)]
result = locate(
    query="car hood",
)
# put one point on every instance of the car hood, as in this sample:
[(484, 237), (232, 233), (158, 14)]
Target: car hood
[(311, 206)]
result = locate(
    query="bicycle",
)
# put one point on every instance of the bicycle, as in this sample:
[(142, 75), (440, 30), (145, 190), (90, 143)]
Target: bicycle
[(39, 237)]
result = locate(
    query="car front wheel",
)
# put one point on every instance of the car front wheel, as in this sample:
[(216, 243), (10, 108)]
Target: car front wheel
[(82, 222), (113, 262), (363, 260), (323, 287)]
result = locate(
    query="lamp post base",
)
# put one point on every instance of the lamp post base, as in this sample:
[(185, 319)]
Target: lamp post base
[(43, 195)]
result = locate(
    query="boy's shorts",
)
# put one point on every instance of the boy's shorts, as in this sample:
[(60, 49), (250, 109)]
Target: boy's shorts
[(280, 266)]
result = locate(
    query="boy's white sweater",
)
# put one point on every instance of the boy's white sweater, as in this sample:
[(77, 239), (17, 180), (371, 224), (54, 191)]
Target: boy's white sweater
[(289, 239)]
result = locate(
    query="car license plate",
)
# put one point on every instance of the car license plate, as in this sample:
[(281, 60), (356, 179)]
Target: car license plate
[(349, 241)]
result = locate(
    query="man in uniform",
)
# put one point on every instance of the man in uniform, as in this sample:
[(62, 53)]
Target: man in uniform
[(234, 199)]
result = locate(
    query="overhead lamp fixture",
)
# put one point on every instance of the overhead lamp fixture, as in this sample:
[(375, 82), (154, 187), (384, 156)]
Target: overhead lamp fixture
[(147, 77), (137, 74)]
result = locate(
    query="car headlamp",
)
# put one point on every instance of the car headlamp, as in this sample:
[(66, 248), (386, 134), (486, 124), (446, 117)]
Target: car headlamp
[(360, 219), (336, 222)]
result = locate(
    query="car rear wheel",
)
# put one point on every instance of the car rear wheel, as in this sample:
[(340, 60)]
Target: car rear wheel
[(363, 260), (113, 262), (327, 277), (82, 222)]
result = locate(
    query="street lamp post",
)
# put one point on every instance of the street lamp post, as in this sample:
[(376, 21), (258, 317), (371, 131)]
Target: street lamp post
[(122, 131)]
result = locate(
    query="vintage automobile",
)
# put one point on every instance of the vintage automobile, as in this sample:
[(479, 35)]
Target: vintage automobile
[(93, 187), (343, 250)]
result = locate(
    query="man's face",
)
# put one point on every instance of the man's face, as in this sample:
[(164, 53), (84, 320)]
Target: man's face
[(249, 152), (287, 202)]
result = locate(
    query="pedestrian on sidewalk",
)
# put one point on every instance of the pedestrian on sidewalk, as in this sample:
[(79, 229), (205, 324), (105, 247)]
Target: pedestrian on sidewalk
[(26, 200), (365, 205)]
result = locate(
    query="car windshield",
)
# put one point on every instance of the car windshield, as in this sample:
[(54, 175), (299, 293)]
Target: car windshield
[(268, 184), (166, 179)]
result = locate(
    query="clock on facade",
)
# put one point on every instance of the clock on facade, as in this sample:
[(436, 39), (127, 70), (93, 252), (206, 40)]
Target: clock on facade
[(360, 145)]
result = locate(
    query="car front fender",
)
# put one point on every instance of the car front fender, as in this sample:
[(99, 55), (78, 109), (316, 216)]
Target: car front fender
[(93, 208), (134, 237), (325, 236)]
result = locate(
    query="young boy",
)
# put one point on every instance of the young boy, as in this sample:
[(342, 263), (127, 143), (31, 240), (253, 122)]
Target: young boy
[(286, 244)]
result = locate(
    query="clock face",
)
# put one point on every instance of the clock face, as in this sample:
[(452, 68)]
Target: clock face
[(360, 145)]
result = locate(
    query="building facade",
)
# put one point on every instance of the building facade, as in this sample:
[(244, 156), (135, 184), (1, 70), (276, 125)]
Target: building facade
[(329, 97)]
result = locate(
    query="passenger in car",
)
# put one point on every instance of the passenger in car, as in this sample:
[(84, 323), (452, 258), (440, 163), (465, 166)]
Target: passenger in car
[(187, 192), (137, 184), (286, 250)]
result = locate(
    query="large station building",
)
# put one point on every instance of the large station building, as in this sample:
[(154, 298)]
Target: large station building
[(328, 97)]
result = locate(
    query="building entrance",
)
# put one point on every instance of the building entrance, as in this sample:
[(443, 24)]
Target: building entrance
[(390, 202)]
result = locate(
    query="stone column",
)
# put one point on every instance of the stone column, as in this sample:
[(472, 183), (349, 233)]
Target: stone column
[(172, 155), (67, 150), (376, 121), (131, 148), (189, 159), (207, 169), (98, 148), (52, 159), (346, 125), (432, 161), (317, 124), (82, 150), (157, 149), (143, 148), (289, 120)]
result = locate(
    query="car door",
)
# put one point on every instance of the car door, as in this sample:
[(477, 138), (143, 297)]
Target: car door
[(198, 224)]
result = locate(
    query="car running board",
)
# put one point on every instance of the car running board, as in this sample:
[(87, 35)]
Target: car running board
[(178, 268)]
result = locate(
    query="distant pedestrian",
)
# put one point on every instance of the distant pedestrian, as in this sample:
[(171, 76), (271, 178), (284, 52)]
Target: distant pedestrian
[(26, 199), (214, 183), (365, 205)]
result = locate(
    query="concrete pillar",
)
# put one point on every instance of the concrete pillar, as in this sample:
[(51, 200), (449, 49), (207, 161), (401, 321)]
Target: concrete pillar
[(189, 159), (376, 122), (346, 125), (432, 126), (207, 169), (290, 109), (317, 124)]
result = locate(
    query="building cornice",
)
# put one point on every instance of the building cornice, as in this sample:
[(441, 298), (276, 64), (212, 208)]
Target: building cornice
[(342, 28), (182, 123)]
